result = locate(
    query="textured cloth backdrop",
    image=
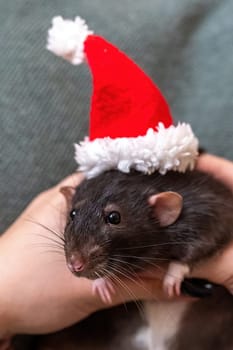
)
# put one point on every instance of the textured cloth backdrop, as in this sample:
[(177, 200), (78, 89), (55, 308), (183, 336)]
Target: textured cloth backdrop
[(186, 46)]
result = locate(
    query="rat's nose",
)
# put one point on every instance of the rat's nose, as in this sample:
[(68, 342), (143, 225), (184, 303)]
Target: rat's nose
[(76, 263)]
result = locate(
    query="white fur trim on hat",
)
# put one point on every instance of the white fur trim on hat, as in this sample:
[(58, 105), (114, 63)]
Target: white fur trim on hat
[(66, 38), (173, 148)]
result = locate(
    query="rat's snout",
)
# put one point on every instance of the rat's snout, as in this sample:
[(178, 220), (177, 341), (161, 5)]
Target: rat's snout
[(87, 261), (76, 263)]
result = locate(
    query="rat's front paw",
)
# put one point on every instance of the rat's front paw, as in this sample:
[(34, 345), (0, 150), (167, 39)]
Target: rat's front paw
[(104, 288), (174, 277)]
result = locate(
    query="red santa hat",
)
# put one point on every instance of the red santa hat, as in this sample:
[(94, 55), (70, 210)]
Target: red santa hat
[(130, 123)]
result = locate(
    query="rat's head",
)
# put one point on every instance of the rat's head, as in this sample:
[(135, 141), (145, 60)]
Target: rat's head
[(114, 222)]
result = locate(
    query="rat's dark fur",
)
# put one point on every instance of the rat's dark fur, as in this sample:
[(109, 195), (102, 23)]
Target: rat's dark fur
[(207, 324), (203, 228)]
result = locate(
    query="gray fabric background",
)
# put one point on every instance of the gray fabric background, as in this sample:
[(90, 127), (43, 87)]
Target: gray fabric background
[(186, 46)]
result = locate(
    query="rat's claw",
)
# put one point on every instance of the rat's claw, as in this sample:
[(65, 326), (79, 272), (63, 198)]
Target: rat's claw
[(101, 294), (110, 286), (169, 285), (103, 288), (173, 278), (108, 298)]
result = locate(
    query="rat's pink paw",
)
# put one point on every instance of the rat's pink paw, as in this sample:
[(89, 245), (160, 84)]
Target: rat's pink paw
[(171, 286), (104, 288), (174, 277)]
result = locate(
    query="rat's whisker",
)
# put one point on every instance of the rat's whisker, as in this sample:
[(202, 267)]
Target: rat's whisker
[(129, 266), (152, 245), (51, 239), (112, 278), (118, 271), (97, 274), (141, 257), (52, 245), (57, 261), (49, 244), (127, 263), (140, 284), (182, 243), (127, 269), (138, 267), (130, 293), (126, 275), (53, 251), (104, 243), (107, 294), (57, 234)]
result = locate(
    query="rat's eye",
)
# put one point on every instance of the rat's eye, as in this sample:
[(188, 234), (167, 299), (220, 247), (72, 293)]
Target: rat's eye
[(72, 214), (113, 218)]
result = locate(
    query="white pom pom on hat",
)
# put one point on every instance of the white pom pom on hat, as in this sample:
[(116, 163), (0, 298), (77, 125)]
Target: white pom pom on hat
[(130, 122)]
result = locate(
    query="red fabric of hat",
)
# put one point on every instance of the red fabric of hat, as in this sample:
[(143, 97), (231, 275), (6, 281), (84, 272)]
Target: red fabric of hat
[(125, 101)]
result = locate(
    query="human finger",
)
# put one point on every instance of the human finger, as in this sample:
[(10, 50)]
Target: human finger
[(220, 168)]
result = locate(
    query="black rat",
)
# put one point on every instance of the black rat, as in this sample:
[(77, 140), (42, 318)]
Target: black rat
[(123, 224), (133, 222)]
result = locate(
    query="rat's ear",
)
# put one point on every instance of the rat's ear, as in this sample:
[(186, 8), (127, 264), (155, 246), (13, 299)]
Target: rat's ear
[(68, 193), (167, 207)]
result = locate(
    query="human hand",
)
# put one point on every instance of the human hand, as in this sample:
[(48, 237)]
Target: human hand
[(220, 168), (38, 293), (218, 269)]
